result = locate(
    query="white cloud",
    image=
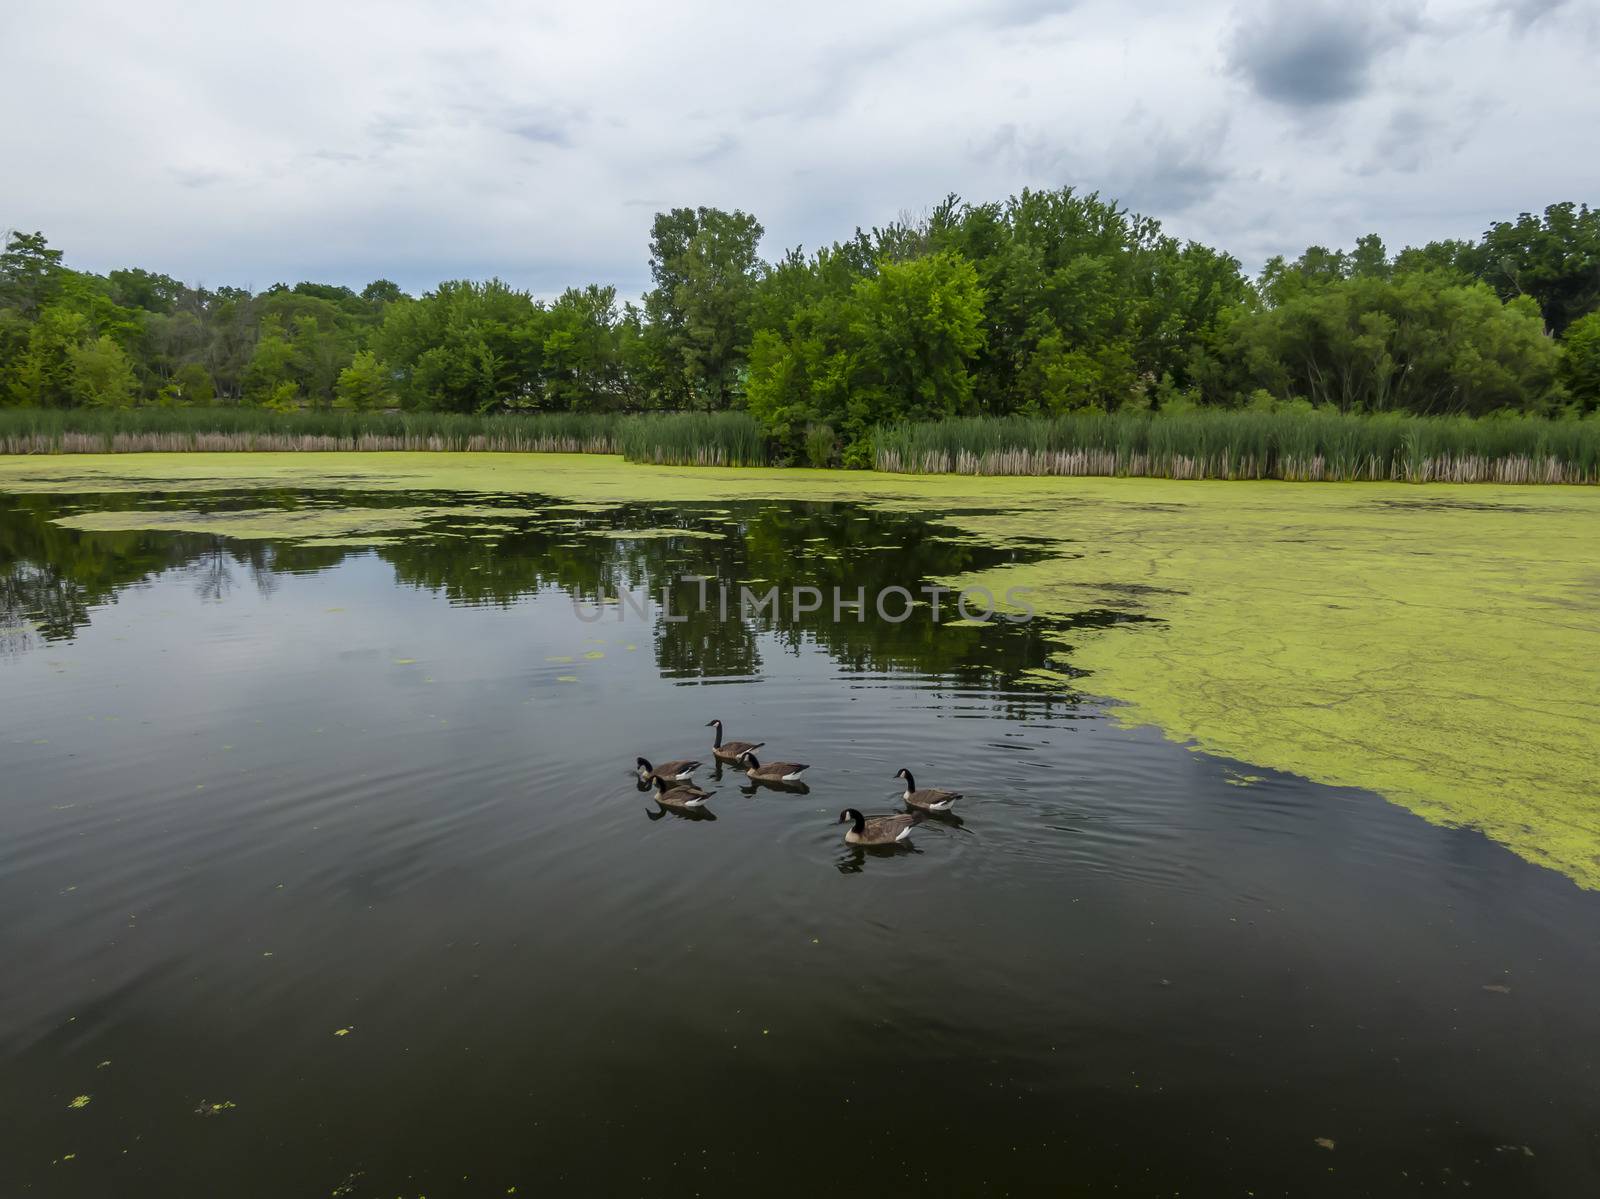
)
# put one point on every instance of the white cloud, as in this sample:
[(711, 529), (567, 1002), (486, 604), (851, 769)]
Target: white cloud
[(248, 144)]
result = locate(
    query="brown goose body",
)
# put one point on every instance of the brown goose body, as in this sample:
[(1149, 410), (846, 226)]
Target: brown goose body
[(670, 771), (729, 751), (876, 830), (681, 796), (929, 799), (771, 772)]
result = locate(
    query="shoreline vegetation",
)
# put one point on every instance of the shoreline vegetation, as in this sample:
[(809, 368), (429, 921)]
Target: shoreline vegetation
[(1054, 333), (1296, 445)]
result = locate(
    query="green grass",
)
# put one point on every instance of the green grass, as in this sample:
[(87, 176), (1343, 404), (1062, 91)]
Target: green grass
[(1252, 445)]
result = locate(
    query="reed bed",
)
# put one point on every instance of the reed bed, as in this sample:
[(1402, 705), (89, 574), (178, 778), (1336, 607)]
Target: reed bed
[(1209, 444), (679, 439), (694, 439), (1301, 446), (252, 430)]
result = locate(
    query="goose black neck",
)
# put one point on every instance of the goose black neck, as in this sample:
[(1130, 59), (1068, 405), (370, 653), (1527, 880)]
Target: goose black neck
[(750, 758), (911, 783), (859, 823), (716, 736)]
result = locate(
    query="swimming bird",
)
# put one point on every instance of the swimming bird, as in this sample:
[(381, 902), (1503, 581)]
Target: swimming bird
[(772, 772), (729, 751), (876, 830), (667, 770), (929, 799), (679, 797)]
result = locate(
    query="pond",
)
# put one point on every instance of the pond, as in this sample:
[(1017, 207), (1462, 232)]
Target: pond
[(325, 871)]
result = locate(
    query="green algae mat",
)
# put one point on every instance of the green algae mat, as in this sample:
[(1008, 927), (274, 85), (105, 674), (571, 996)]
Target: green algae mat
[(1439, 645)]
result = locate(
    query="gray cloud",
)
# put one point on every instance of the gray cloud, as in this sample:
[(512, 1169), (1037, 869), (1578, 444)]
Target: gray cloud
[(1315, 53)]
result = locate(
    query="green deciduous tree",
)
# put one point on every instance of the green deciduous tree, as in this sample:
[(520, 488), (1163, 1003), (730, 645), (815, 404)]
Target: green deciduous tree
[(365, 385), (704, 265), (1554, 258), (271, 364), (1416, 341), (466, 347), (1580, 360), (898, 345), (101, 376), (40, 375), (30, 273)]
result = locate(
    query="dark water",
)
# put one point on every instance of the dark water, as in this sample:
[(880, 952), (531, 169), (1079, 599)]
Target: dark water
[(254, 796)]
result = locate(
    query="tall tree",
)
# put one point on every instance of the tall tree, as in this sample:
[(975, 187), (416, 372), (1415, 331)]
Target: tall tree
[(704, 264), (30, 273), (1554, 258)]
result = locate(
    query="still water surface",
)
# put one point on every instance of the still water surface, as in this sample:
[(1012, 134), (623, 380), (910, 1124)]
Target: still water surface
[(322, 872)]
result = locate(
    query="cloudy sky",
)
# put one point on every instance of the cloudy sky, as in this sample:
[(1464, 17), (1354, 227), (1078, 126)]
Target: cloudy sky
[(246, 144)]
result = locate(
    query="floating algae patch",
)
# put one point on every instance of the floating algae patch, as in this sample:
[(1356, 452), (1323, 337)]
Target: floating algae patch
[(1371, 635), (329, 526), (1446, 658), (650, 534), (323, 526), (354, 539)]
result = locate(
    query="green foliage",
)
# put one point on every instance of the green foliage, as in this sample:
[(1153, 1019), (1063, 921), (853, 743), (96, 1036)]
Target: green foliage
[(30, 273), (139, 288), (465, 347), (1367, 342), (704, 265), (365, 384), (1580, 368), (582, 363), (271, 365), (914, 329), (1555, 259), (101, 376), (897, 346), (40, 374), (194, 385), (282, 397)]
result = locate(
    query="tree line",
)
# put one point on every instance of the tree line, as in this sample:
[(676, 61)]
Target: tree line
[(1051, 302)]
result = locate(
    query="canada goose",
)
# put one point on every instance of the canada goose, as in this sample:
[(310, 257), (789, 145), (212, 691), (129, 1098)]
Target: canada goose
[(679, 797), (929, 799), (772, 772), (676, 771), (878, 830), (729, 751)]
